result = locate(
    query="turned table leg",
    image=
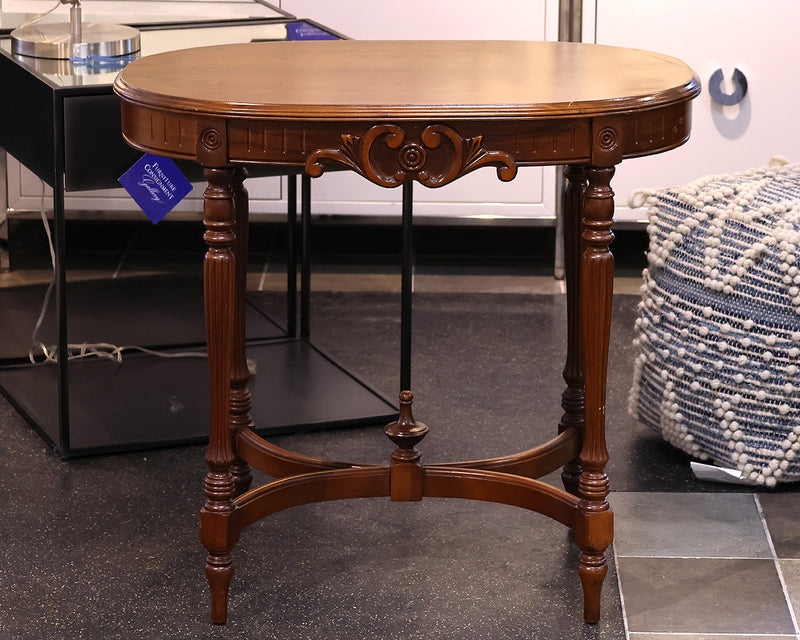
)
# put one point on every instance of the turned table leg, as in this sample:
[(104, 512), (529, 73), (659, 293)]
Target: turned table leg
[(595, 530), (216, 532), (240, 401), (573, 398)]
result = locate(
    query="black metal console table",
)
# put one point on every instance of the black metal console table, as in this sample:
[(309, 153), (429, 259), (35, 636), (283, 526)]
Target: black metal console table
[(65, 128)]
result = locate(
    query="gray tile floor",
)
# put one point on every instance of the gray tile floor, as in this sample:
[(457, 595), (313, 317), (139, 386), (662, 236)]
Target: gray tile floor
[(689, 566), (705, 564)]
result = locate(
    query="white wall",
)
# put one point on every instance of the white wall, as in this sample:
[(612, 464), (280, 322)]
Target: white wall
[(757, 38)]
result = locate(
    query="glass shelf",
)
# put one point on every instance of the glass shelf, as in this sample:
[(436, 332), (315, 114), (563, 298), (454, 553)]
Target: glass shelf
[(64, 73)]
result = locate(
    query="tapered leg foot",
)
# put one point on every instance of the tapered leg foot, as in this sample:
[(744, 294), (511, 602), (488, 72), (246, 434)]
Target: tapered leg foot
[(219, 571), (592, 571)]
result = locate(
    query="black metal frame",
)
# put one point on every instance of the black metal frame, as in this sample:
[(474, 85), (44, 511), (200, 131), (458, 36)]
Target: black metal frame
[(41, 116)]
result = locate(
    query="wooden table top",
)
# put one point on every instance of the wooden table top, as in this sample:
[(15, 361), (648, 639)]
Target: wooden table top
[(376, 80)]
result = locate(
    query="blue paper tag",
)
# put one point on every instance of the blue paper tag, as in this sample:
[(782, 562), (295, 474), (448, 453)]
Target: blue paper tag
[(156, 184), (305, 31)]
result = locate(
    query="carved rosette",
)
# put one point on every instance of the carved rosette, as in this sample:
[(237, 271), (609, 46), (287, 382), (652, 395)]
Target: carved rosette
[(388, 156), (211, 148), (607, 139), (210, 139)]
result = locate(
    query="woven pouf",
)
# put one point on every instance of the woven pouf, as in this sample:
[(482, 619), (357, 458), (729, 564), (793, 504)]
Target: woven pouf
[(718, 326)]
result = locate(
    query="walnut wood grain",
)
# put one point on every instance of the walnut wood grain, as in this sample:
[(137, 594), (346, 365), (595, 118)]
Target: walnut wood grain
[(397, 112), (240, 400), (417, 80), (336, 484), (219, 276), (597, 276), (504, 108), (278, 462), (282, 143), (573, 400), (502, 488), (532, 463)]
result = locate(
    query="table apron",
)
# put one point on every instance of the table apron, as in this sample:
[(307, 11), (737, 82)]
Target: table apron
[(390, 152)]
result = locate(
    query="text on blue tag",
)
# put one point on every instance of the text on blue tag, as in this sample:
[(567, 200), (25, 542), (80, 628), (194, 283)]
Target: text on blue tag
[(156, 184)]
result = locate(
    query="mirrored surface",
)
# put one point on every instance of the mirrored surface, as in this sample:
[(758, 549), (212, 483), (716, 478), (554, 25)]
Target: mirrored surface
[(14, 13), (66, 73)]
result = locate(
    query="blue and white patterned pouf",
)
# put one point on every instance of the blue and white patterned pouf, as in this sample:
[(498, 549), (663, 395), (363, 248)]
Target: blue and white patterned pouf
[(718, 325)]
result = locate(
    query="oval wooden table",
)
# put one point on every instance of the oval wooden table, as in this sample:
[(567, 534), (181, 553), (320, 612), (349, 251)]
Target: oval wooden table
[(398, 112)]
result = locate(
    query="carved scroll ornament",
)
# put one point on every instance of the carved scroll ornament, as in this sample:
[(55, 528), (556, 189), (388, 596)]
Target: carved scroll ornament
[(426, 160)]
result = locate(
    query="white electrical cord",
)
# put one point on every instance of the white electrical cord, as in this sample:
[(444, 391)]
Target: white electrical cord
[(40, 16), (84, 350), (110, 352), (35, 337)]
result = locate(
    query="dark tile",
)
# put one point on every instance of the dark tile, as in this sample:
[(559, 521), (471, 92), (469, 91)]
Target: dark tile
[(688, 525), (700, 596), (782, 514)]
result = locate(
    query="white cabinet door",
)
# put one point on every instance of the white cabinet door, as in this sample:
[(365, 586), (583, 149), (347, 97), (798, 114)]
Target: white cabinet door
[(757, 38), (480, 194), (437, 20)]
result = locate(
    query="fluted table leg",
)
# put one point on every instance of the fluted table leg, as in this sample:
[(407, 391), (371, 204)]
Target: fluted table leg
[(219, 273), (573, 398), (240, 401), (595, 530)]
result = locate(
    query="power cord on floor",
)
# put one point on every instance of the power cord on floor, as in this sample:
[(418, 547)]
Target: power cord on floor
[(78, 351), (111, 352)]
